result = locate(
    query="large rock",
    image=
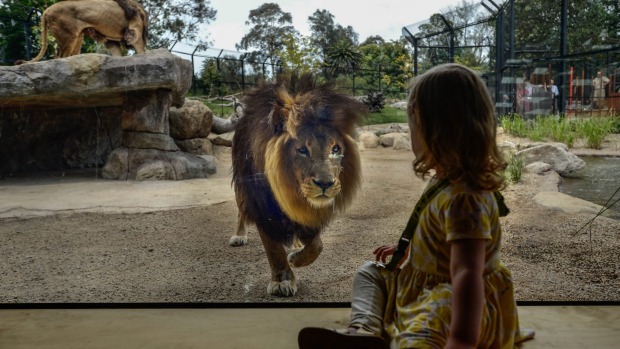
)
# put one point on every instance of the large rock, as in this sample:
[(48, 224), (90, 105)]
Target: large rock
[(557, 155), (90, 109), (369, 139), (89, 80), (192, 120)]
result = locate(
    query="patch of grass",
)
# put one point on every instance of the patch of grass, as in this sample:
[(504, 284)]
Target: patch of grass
[(563, 131), (514, 125), (514, 170), (386, 116), (593, 130)]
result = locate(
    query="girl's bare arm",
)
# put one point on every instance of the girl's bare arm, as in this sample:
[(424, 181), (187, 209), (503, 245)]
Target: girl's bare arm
[(466, 270)]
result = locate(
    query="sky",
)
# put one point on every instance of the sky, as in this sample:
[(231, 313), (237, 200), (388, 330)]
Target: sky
[(367, 17)]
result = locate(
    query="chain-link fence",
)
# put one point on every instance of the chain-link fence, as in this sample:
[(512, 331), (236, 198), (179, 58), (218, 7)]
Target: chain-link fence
[(219, 72)]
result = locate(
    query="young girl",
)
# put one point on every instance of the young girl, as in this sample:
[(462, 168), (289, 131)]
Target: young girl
[(453, 291)]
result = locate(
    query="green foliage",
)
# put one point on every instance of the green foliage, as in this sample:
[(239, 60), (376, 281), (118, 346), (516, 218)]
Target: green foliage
[(343, 57), (592, 130), (514, 125), (270, 27), (19, 22), (220, 108), (177, 20), (211, 79), (375, 101), (326, 33), (300, 53), (386, 116), (514, 169), (393, 62), (539, 23)]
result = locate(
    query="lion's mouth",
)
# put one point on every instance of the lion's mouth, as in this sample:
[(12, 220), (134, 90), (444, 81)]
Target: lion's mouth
[(321, 201)]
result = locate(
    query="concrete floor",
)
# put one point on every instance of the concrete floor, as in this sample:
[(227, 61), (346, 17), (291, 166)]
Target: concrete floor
[(564, 327)]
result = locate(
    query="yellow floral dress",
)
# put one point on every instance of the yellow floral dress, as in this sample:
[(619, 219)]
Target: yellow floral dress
[(418, 312)]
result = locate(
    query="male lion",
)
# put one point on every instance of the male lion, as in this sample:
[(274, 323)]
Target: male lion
[(295, 163), (110, 22)]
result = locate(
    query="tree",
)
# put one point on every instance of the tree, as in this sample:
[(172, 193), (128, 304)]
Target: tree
[(390, 63), (326, 33), (270, 27), (300, 54), (17, 19), (343, 57), (211, 78), (177, 20)]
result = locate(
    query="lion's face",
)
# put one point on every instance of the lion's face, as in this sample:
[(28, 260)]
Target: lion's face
[(313, 172), (317, 155)]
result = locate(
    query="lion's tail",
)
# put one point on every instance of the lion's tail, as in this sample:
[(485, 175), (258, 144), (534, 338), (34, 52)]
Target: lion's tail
[(43, 40)]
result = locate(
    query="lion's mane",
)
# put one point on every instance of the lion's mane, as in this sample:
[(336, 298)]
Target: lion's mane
[(263, 171)]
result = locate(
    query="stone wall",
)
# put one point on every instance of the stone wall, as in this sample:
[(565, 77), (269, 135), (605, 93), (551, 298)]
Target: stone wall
[(95, 110)]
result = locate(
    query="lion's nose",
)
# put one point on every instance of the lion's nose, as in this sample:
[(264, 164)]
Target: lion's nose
[(323, 184)]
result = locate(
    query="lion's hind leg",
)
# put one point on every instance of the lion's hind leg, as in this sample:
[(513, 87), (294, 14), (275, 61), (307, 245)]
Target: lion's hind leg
[(309, 253), (241, 235)]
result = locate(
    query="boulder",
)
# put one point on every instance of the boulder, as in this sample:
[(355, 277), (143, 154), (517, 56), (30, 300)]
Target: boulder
[(394, 128), (538, 167), (561, 160), (192, 120), (94, 110), (387, 140), (368, 139), (399, 105), (401, 141)]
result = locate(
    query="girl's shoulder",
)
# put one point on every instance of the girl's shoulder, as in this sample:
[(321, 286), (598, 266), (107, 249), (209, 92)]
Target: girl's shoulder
[(460, 192)]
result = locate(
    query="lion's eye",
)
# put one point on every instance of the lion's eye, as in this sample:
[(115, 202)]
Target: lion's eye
[(303, 150), (336, 149)]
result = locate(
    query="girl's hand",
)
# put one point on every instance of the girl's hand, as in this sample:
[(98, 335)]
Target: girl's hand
[(382, 252)]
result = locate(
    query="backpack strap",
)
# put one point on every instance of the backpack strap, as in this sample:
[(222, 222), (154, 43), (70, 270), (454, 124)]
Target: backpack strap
[(407, 235)]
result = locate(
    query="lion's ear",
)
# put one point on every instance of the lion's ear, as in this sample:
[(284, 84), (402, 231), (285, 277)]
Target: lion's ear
[(277, 120), (283, 116)]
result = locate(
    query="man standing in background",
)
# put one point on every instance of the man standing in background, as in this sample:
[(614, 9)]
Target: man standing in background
[(599, 83), (555, 93)]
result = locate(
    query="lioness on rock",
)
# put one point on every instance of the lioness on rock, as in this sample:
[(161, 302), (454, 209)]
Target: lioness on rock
[(114, 23), (295, 164)]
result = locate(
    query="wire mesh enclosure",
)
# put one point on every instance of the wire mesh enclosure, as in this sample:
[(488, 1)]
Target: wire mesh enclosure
[(538, 58)]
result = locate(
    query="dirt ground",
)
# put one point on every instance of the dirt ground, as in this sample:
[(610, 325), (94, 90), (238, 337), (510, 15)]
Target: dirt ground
[(182, 255)]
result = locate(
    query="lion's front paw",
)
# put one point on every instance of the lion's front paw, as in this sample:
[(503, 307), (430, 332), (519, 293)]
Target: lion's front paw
[(301, 258), (307, 255), (286, 288), (237, 240)]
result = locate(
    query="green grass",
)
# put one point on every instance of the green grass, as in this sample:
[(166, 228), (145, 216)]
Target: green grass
[(514, 170), (514, 125), (217, 107), (543, 128), (386, 116), (595, 131)]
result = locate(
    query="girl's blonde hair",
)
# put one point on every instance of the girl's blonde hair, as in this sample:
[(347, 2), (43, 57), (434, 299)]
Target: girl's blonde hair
[(453, 120)]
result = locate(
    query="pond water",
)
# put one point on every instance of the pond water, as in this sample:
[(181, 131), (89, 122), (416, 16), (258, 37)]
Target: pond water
[(597, 182)]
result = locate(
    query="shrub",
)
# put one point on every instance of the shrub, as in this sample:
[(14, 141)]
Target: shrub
[(514, 170), (594, 130), (514, 125), (375, 101)]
